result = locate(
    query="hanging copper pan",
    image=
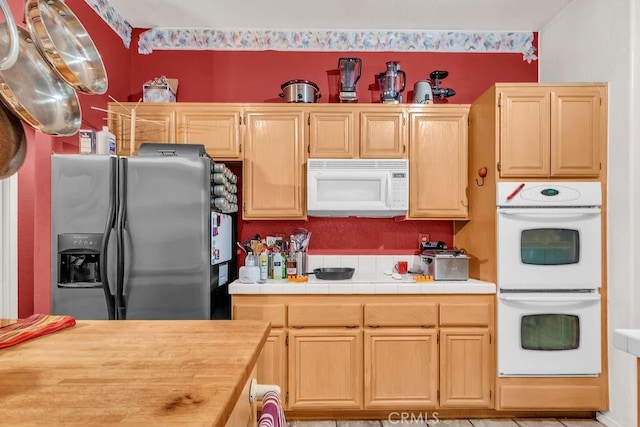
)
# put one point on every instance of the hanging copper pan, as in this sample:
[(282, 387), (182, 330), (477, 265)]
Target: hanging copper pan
[(66, 45), (13, 146), (36, 94)]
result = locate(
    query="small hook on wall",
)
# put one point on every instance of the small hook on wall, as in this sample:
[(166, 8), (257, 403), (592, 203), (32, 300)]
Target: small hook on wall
[(482, 173)]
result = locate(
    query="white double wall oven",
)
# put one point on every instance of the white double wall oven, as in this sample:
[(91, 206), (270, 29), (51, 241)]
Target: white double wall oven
[(549, 239)]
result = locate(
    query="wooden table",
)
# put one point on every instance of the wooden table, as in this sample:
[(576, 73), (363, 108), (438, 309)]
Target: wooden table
[(146, 373)]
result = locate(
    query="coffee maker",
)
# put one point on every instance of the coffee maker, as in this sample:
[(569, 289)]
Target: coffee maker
[(350, 71), (392, 83)]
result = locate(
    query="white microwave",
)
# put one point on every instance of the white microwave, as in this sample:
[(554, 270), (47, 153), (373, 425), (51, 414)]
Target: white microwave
[(375, 188)]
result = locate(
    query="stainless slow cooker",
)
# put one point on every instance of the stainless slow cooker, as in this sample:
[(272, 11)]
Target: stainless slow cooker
[(300, 91)]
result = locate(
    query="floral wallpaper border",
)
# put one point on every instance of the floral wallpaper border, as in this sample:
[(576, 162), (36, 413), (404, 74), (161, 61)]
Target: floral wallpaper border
[(419, 41), (112, 17), (320, 40)]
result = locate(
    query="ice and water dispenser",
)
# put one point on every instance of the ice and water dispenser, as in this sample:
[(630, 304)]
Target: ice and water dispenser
[(79, 260)]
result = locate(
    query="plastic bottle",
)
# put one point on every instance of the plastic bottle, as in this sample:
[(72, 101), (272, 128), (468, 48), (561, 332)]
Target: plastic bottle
[(105, 141), (277, 266), (263, 262)]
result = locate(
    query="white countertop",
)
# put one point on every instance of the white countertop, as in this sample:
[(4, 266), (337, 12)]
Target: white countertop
[(382, 285), (627, 340)]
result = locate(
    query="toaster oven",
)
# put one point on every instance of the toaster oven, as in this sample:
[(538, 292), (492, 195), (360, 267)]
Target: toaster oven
[(446, 264)]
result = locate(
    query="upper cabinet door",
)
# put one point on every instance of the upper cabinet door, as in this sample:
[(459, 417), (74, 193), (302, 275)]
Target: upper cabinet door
[(332, 134), (438, 142), (524, 132), (217, 127), (153, 123), (273, 164), (383, 134), (577, 128), (551, 131)]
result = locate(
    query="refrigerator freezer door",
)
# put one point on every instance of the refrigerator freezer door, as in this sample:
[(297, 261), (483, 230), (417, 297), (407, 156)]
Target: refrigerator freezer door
[(166, 237), (79, 206)]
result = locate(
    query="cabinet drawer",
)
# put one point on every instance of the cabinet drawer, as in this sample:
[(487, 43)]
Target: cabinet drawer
[(472, 314), (325, 315), (425, 315), (274, 313)]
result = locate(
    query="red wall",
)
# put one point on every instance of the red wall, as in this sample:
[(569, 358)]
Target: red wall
[(208, 76), (249, 76)]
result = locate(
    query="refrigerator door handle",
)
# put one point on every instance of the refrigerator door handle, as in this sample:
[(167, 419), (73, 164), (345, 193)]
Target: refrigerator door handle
[(121, 313), (111, 220)]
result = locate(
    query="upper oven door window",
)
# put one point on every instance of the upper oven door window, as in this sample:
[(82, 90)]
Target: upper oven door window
[(549, 248)]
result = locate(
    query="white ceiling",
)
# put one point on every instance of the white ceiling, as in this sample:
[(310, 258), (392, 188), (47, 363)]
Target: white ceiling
[(407, 15)]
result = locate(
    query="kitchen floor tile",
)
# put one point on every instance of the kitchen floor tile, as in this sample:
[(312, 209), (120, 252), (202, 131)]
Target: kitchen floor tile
[(368, 423), (312, 424), (450, 423), (581, 423), (506, 422), (538, 422), (396, 422)]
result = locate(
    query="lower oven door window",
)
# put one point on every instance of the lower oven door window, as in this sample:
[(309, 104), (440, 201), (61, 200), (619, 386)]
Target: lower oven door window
[(549, 334)]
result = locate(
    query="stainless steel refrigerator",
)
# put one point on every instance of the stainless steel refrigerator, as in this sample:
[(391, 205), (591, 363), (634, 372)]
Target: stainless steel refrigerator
[(137, 237)]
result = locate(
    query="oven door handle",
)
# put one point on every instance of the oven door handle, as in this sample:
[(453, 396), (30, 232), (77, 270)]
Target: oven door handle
[(550, 212), (576, 298)]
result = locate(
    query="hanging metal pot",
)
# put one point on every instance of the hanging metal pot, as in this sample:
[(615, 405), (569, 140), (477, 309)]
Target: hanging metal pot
[(66, 45), (9, 28), (36, 94), (13, 145)]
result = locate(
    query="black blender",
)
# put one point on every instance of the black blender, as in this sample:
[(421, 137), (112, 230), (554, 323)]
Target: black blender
[(350, 70)]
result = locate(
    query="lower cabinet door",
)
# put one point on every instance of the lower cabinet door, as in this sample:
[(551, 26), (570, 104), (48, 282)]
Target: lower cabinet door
[(466, 370), (325, 369), (400, 368), (272, 362)]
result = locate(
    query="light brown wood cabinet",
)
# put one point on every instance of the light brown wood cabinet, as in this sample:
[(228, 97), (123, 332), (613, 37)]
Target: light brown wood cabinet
[(356, 131), (274, 141), (438, 141), (154, 123), (383, 133), (550, 131), (400, 368), (272, 363), (273, 164), (217, 126), (379, 352), (325, 368), (466, 377), (333, 133)]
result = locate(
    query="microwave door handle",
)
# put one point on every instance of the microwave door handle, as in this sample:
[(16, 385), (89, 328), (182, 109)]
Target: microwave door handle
[(552, 299), (387, 185)]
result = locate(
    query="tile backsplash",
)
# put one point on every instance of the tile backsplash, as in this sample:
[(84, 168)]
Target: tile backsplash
[(367, 266)]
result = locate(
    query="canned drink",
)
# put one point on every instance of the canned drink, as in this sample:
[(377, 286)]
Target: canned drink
[(219, 178)]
